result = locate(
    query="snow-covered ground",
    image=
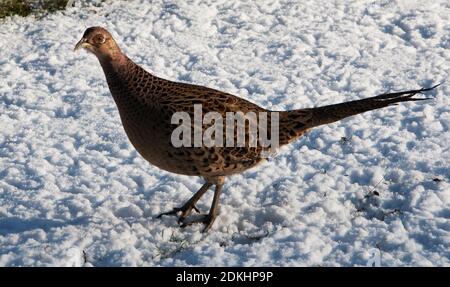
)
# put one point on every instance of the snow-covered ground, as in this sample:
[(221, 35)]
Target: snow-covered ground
[(73, 191)]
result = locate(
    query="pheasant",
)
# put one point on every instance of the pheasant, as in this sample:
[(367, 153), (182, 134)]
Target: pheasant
[(146, 104)]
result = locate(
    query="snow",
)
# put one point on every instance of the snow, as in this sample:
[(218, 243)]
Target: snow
[(74, 192)]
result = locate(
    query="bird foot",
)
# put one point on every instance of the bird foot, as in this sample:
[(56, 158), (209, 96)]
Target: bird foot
[(206, 219), (185, 210)]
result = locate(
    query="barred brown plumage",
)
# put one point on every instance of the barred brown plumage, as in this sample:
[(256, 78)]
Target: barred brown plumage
[(146, 104)]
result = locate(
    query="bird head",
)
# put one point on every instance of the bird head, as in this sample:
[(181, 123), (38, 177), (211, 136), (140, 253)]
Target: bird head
[(99, 41)]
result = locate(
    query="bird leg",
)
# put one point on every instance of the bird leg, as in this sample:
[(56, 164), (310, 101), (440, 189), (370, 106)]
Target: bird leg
[(208, 219), (186, 209)]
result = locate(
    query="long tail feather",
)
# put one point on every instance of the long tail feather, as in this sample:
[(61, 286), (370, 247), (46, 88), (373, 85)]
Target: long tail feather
[(294, 123), (332, 113)]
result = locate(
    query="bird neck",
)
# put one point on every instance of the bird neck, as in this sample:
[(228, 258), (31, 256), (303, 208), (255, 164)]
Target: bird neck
[(125, 80), (113, 63)]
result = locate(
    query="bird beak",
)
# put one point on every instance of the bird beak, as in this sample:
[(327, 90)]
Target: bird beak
[(81, 44)]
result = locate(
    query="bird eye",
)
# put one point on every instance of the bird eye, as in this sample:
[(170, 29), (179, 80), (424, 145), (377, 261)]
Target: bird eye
[(100, 39)]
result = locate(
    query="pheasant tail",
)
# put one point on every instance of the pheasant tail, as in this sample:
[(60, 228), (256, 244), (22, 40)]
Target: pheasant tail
[(295, 122)]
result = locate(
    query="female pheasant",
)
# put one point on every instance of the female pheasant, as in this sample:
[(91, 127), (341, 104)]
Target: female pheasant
[(146, 104)]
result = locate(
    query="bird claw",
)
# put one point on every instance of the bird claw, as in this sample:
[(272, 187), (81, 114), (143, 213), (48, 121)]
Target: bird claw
[(172, 212), (206, 219), (186, 210), (196, 209)]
